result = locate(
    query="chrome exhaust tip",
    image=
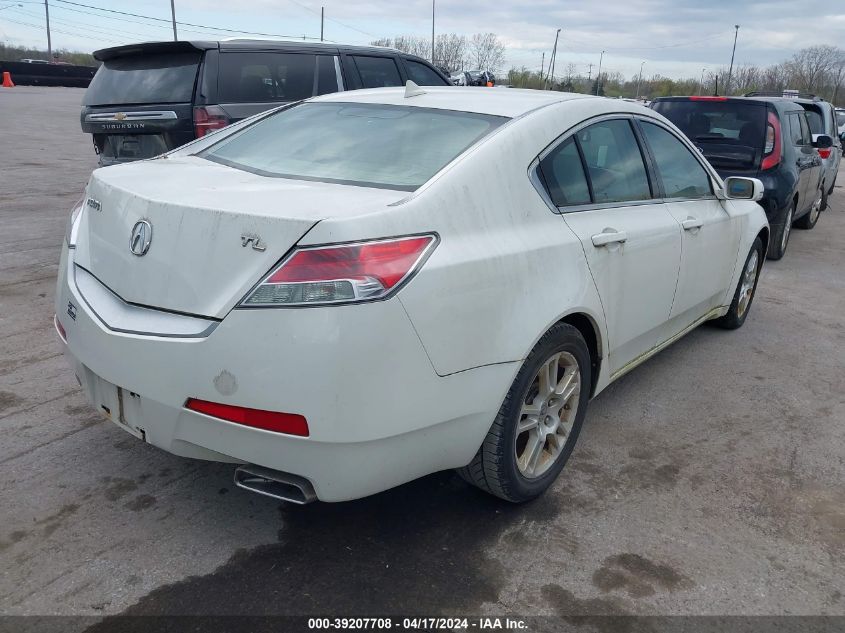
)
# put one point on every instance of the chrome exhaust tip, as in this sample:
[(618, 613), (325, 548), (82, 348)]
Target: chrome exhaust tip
[(275, 484)]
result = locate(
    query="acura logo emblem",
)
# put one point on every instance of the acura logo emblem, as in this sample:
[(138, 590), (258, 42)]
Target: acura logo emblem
[(142, 235)]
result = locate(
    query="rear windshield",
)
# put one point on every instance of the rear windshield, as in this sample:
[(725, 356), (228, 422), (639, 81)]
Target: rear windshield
[(731, 134), (371, 145), (144, 79)]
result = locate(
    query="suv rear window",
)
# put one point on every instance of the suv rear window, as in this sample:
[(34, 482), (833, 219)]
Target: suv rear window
[(731, 134), (267, 77), (370, 145), (140, 79)]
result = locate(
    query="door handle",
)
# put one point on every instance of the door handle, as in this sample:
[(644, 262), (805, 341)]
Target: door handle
[(691, 224), (609, 236)]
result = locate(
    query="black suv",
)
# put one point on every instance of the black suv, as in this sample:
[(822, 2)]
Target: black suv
[(149, 98), (768, 138)]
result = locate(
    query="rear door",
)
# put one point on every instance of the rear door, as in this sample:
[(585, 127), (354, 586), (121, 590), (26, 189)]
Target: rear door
[(710, 235), (250, 82), (806, 158), (139, 105), (598, 179)]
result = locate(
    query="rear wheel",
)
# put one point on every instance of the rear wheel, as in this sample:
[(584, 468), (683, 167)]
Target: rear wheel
[(745, 289), (809, 220), (780, 237), (538, 424)]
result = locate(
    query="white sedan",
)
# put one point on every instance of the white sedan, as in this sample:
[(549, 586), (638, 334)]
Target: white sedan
[(354, 291)]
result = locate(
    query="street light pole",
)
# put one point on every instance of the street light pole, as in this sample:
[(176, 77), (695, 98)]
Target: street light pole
[(730, 72), (598, 76), (49, 40), (554, 59), (173, 16), (639, 80), (701, 83), (432, 31)]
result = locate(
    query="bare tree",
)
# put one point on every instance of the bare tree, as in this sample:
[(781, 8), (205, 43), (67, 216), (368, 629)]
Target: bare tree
[(450, 51), (382, 41), (809, 66), (487, 52)]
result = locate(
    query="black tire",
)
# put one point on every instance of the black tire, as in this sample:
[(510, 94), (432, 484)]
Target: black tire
[(825, 194), (738, 312), (809, 219), (777, 247), (494, 467), (832, 186)]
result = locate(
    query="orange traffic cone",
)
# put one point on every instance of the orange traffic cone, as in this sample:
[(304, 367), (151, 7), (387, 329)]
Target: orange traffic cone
[(7, 80)]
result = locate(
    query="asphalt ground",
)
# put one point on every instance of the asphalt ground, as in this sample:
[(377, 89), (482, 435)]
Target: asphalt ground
[(709, 481)]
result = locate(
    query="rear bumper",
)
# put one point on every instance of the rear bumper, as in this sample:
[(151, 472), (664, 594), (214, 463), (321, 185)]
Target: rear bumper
[(378, 414)]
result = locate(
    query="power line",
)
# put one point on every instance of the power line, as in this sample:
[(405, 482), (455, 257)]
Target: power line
[(201, 26)]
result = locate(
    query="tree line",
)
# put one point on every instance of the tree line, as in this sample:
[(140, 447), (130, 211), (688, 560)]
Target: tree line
[(16, 53), (453, 52), (819, 70)]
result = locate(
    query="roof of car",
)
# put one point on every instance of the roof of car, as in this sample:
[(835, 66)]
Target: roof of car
[(505, 102), (238, 44)]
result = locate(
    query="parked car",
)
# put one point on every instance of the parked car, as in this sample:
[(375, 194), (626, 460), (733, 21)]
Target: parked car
[(765, 137), (840, 122), (149, 98), (319, 294), (822, 119)]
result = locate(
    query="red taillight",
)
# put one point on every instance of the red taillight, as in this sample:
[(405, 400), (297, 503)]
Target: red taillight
[(708, 98), (825, 153), (343, 273), (60, 328), (773, 149), (209, 118), (289, 423)]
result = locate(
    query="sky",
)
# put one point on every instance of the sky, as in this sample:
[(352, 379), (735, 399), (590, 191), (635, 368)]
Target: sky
[(675, 38)]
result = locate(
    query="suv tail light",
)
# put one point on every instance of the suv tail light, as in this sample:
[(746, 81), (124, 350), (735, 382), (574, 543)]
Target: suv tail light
[(772, 152), (342, 273), (825, 152), (209, 118)]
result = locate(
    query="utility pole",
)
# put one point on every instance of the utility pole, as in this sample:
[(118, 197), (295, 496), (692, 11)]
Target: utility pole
[(730, 72), (49, 41), (598, 76), (432, 32), (639, 80), (701, 83), (543, 64), (554, 58), (322, 21), (173, 16), (551, 61), (590, 74)]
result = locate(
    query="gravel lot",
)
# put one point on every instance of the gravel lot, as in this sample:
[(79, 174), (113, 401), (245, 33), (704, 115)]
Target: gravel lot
[(711, 480)]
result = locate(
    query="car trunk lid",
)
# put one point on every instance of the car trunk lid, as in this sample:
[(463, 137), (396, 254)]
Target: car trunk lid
[(215, 231)]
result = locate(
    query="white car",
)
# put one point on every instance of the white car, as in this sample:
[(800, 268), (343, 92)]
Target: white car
[(351, 292)]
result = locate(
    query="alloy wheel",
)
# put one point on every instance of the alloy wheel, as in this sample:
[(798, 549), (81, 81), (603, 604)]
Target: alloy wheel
[(746, 290), (787, 227), (547, 415)]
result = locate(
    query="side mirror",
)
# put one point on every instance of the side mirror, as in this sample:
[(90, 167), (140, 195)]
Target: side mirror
[(822, 141), (738, 188)]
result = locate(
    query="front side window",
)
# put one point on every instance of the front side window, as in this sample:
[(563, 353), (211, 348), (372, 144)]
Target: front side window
[(564, 175), (614, 162), (377, 72), (422, 75), (681, 174), (371, 145), (275, 77)]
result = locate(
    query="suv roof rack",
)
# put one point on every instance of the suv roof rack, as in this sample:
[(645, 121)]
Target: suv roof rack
[(786, 94)]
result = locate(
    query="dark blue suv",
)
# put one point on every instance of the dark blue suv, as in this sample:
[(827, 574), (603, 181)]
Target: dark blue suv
[(769, 138)]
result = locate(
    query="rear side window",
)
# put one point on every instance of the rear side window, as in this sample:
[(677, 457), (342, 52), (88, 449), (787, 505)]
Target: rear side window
[(422, 75), (268, 77), (799, 130), (815, 121), (681, 174), (377, 72), (614, 162), (564, 175), (140, 79)]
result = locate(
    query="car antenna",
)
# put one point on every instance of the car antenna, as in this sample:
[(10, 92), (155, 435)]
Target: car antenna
[(413, 90)]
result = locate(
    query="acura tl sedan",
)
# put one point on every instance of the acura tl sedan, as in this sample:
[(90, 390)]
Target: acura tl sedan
[(323, 294)]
